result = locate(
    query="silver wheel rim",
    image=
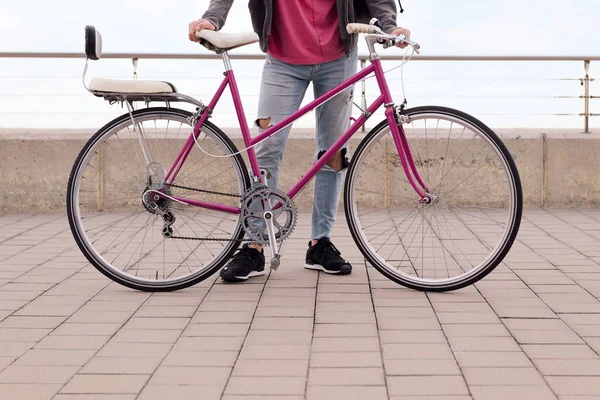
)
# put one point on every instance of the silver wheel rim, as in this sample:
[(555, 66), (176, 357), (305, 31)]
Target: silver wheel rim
[(87, 241), (363, 237)]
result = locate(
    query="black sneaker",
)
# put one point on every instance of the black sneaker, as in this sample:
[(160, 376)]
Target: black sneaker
[(323, 256), (246, 263)]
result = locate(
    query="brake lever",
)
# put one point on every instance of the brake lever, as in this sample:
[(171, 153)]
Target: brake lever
[(416, 46)]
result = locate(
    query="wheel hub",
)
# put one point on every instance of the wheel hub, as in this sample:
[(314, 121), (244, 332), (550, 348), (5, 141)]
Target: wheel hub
[(430, 199)]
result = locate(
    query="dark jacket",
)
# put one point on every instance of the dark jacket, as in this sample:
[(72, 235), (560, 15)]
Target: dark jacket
[(261, 13)]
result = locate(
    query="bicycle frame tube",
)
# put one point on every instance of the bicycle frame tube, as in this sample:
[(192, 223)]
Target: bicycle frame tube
[(189, 144), (311, 106), (397, 133), (335, 148)]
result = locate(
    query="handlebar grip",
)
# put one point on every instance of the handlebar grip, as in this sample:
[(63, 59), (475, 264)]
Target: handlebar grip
[(360, 28)]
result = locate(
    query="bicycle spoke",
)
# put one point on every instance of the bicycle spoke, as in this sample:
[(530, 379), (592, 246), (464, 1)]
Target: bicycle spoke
[(457, 231), (174, 140), (126, 237), (486, 185), (191, 170), (426, 155)]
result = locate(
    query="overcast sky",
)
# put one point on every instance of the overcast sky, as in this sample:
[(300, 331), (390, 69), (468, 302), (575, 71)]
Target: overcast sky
[(547, 27), (443, 26)]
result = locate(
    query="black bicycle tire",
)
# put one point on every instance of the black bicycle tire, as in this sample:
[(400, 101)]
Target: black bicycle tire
[(193, 279), (348, 209)]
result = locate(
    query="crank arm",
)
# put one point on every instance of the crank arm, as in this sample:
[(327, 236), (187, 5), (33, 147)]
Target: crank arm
[(275, 257)]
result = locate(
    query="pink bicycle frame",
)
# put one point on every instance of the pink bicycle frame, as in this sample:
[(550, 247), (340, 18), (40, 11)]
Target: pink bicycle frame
[(384, 98)]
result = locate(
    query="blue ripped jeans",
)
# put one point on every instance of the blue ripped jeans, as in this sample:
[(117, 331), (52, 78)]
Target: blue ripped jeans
[(282, 90)]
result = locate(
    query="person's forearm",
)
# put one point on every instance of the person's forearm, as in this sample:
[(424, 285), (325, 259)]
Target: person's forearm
[(385, 12), (217, 12)]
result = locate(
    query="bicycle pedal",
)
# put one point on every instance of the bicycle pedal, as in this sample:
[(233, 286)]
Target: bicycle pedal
[(275, 262)]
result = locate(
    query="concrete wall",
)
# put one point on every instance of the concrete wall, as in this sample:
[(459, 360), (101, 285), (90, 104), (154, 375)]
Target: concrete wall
[(559, 171)]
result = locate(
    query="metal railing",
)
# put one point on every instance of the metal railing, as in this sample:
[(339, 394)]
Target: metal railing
[(585, 80)]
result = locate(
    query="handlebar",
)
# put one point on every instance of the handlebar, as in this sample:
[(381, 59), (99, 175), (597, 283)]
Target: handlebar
[(375, 32)]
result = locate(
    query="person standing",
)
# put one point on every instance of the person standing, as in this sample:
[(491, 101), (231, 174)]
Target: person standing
[(305, 41)]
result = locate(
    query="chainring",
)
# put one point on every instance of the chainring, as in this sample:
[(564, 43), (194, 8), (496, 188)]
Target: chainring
[(259, 199)]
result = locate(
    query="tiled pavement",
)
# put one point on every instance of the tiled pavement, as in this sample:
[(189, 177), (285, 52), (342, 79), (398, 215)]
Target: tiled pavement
[(530, 330)]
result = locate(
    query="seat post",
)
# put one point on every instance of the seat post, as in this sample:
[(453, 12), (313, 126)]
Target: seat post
[(226, 61)]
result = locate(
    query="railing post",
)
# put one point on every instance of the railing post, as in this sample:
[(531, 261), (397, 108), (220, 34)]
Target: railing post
[(544, 170), (134, 61), (586, 97), (363, 83)]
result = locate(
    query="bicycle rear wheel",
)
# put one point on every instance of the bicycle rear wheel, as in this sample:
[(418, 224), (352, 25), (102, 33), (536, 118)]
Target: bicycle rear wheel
[(470, 225), (120, 235)]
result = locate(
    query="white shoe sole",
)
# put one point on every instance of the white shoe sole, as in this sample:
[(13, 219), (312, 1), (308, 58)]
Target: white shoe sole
[(251, 275), (317, 267)]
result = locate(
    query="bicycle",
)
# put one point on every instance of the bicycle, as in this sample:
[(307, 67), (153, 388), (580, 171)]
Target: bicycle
[(432, 197)]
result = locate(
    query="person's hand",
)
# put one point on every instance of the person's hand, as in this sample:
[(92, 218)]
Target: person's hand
[(199, 25), (401, 31)]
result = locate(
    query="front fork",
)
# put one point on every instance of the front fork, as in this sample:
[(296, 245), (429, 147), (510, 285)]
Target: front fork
[(396, 120)]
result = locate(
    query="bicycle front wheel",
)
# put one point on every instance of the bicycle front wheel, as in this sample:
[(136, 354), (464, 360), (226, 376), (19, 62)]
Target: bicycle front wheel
[(121, 234), (476, 201)]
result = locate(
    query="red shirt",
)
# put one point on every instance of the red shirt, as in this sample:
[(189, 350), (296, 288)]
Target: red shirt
[(305, 32)]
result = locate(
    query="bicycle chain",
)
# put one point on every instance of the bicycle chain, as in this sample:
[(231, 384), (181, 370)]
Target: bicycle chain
[(209, 192), (203, 191), (206, 239)]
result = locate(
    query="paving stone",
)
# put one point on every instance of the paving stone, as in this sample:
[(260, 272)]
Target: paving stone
[(512, 392), (275, 352), (345, 359), (143, 350), (546, 337), (265, 385), (146, 336), (282, 323), (426, 385), (37, 374), (121, 366), (345, 344), (213, 330), (417, 352), (492, 359), (575, 385), (345, 330), (157, 323), (503, 376), (28, 391), (421, 367), (559, 351), (181, 392), (60, 357), (574, 367), (167, 375), (95, 397), (84, 329), (271, 368), (56, 342), (483, 344), (95, 384), (278, 337), (346, 393), (201, 358), (345, 377)]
